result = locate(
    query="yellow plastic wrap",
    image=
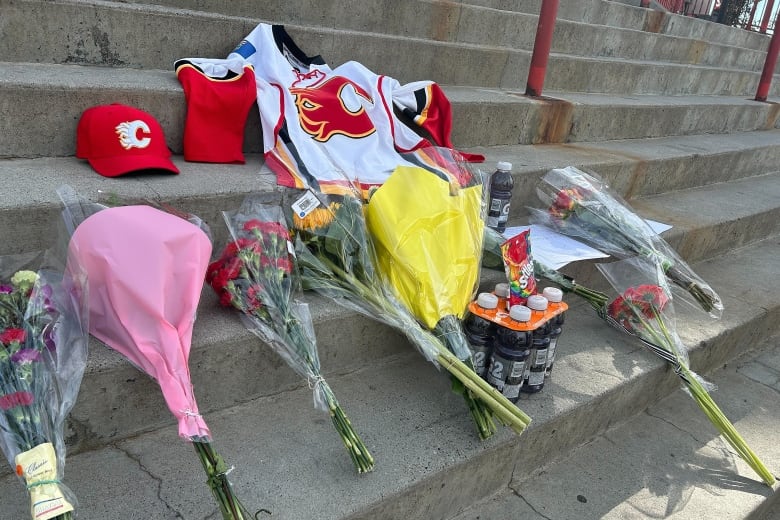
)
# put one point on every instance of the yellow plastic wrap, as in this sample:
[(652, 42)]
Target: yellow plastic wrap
[(428, 240)]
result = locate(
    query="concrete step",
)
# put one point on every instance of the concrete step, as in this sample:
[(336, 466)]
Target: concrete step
[(634, 168), (85, 40), (429, 463), (667, 462), (707, 164), (43, 103), (618, 14), (509, 117), (709, 221), (341, 12), (638, 168)]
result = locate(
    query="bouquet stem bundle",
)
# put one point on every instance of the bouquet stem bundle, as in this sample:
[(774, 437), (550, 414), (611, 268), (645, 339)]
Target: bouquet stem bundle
[(583, 207), (336, 259), (645, 312), (596, 299), (449, 330), (216, 470), (255, 275)]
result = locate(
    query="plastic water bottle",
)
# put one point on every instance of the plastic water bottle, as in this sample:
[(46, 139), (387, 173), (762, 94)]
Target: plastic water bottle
[(510, 354), (501, 184), (554, 297), (479, 332), (536, 368)]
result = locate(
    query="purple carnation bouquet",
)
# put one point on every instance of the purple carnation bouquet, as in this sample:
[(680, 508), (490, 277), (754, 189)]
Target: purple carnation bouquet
[(43, 353)]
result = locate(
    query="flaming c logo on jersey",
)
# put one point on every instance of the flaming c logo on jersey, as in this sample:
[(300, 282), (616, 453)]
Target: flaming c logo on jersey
[(128, 134), (335, 106)]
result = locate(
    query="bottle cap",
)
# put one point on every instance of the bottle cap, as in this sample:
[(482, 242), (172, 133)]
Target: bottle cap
[(502, 290), (537, 302), (503, 165), (553, 294), (487, 300), (520, 313)]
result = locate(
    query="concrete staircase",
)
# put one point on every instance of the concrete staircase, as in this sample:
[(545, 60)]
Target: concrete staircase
[(659, 105)]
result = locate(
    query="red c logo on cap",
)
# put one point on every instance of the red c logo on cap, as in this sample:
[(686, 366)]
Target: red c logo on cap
[(128, 134)]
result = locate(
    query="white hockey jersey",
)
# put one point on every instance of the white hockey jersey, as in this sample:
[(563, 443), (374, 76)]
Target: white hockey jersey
[(322, 125)]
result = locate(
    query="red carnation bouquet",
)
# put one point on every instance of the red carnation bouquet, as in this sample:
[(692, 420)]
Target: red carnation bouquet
[(43, 353), (255, 275), (644, 310)]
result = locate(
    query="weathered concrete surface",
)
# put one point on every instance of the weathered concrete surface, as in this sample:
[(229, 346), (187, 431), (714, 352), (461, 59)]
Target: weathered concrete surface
[(667, 462), (289, 460), (706, 163)]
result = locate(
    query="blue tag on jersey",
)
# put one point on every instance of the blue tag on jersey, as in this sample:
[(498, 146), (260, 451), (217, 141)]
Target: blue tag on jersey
[(245, 49)]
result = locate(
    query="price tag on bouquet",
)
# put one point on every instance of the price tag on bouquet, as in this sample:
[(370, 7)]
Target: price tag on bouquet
[(305, 204)]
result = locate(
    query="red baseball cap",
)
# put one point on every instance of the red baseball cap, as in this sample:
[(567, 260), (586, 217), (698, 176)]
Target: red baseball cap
[(117, 139)]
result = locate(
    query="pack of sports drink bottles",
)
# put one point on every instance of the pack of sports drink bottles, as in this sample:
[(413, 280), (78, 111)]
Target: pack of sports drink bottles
[(513, 331), (513, 347)]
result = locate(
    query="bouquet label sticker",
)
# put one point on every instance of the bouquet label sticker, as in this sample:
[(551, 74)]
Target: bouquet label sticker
[(38, 466), (305, 204)]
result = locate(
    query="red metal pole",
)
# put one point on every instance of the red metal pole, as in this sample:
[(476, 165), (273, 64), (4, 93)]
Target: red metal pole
[(542, 44), (752, 15), (770, 4), (769, 66), (644, 3)]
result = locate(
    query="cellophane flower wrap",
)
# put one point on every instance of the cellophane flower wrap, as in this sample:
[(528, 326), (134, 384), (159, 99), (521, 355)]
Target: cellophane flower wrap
[(146, 269), (337, 258), (644, 310), (583, 207), (255, 274), (43, 354)]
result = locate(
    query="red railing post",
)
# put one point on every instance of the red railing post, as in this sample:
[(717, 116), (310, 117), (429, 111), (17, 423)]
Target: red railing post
[(542, 44), (769, 66), (770, 4), (752, 15)]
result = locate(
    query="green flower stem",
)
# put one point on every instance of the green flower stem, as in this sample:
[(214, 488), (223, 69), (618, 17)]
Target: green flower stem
[(453, 338), (480, 413), (358, 452), (503, 408), (705, 300), (598, 300), (229, 505), (724, 426), (713, 411), (361, 457)]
